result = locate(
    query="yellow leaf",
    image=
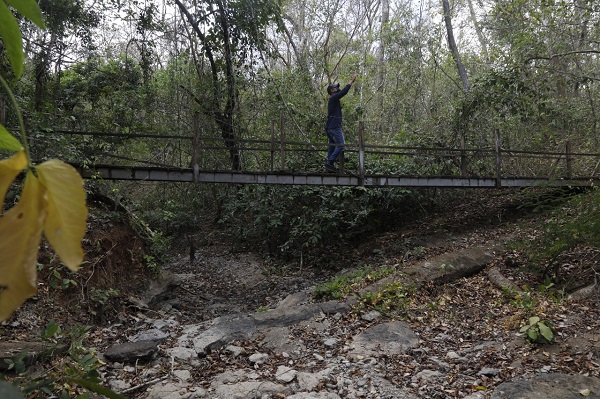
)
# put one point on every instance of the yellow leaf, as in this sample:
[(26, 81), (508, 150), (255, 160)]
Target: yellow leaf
[(65, 223), (9, 169), (20, 235), (585, 392)]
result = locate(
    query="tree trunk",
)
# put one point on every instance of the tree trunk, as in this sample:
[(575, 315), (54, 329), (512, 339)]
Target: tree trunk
[(223, 119), (227, 130), (453, 48), (385, 18), (480, 36)]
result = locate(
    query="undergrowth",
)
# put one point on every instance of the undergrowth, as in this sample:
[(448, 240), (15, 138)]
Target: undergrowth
[(566, 246)]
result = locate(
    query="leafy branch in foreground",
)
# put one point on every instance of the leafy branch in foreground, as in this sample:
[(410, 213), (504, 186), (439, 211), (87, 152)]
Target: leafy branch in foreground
[(52, 200)]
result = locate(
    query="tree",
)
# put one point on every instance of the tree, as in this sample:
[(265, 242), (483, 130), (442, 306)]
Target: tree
[(228, 33), (69, 29), (462, 72)]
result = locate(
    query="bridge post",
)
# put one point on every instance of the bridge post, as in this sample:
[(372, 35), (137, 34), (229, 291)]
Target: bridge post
[(498, 158), (196, 145), (272, 145), (569, 159), (281, 141), (361, 153), (463, 156)]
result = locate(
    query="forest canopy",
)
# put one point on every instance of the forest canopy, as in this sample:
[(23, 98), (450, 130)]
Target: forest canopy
[(231, 69)]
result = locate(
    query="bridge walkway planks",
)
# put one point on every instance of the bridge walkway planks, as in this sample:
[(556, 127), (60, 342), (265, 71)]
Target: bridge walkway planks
[(326, 179)]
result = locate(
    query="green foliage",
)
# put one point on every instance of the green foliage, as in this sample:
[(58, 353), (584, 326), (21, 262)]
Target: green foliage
[(57, 276), (72, 375), (10, 31), (576, 223), (447, 267), (523, 300), (288, 221), (393, 298), (538, 331), (340, 286), (102, 296)]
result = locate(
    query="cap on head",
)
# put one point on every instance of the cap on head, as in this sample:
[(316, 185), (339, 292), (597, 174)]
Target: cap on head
[(331, 87)]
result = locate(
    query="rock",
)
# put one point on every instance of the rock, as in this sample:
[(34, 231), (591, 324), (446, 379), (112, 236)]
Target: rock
[(247, 390), (393, 338), (428, 375), (283, 316), (183, 355), (330, 343), (233, 350), (182, 375), (455, 356), (161, 289), (454, 265), (171, 390), (278, 339), (225, 330), (544, 386), (308, 381), (232, 376), (314, 395), (295, 299), (476, 395), (258, 358), (162, 324), (153, 334), (488, 372), (118, 385), (371, 316), (285, 374), (387, 390), (132, 351)]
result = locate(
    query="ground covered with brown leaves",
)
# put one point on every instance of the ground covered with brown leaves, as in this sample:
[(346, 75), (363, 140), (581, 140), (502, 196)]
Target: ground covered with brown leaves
[(471, 317)]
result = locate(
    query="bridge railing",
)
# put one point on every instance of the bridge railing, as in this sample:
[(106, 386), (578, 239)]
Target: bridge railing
[(279, 155)]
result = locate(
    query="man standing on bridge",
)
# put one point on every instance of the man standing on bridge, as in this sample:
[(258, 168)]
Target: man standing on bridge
[(335, 135)]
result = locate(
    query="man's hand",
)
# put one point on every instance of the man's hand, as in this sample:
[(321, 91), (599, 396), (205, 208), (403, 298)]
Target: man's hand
[(353, 78)]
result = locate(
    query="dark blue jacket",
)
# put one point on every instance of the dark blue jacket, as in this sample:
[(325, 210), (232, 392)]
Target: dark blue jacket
[(334, 109)]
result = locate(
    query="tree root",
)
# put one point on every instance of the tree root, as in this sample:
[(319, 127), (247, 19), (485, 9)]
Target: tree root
[(501, 282)]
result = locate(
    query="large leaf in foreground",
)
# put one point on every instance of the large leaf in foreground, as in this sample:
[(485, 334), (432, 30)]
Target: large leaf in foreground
[(11, 36), (30, 10), (20, 235), (9, 169), (65, 223), (9, 391), (8, 141)]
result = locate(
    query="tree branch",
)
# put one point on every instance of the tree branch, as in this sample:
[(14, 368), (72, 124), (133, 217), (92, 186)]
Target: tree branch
[(553, 56)]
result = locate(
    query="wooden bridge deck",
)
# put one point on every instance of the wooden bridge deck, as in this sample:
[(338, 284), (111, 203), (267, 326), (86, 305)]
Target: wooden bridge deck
[(327, 179)]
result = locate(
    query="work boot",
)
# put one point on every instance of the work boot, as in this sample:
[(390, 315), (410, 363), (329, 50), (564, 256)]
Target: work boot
[(329, 166)]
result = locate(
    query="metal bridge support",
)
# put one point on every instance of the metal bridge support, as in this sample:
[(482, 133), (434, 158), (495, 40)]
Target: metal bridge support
[(196, 145), (361, 153), (281, 141), (272, 165), (498, 158), (569, 158)]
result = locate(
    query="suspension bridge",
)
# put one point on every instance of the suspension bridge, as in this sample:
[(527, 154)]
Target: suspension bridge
[(275, 161)]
